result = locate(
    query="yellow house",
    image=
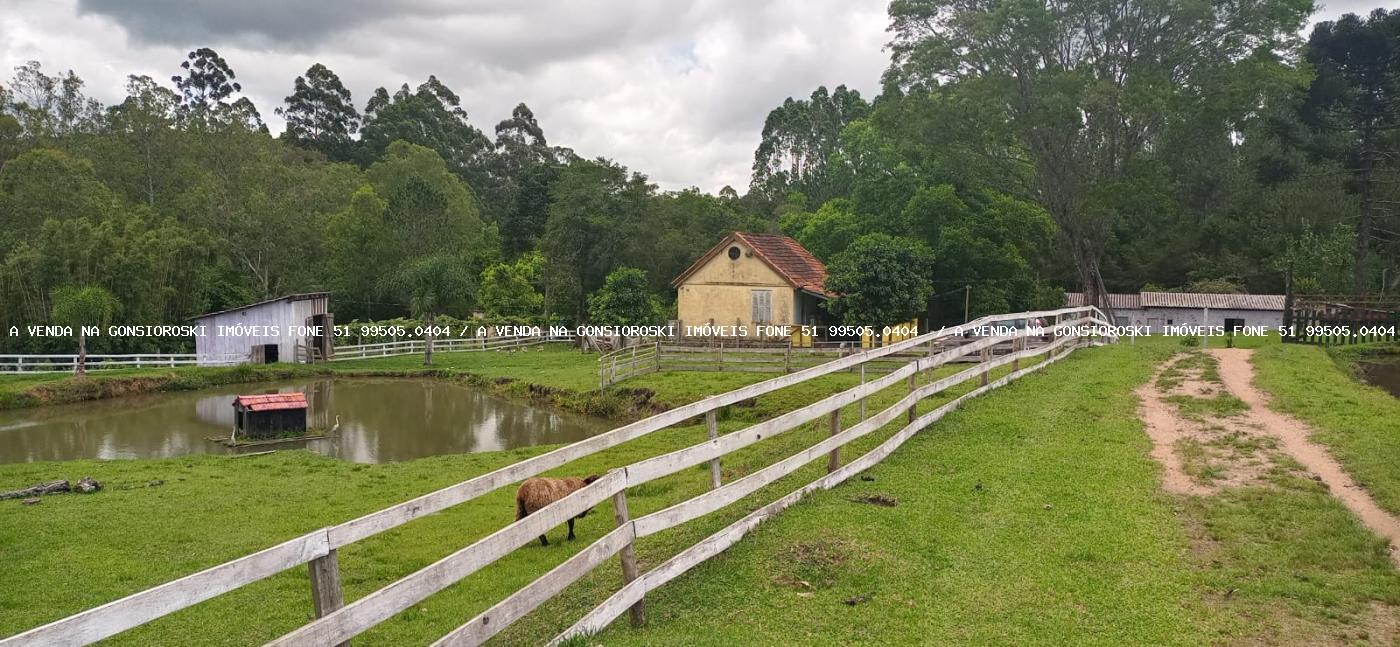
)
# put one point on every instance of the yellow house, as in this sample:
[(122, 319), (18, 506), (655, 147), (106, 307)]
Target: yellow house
[(750, 279)]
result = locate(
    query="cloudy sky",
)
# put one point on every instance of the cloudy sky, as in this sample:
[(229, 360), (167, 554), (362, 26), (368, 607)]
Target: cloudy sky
[(677, 89)]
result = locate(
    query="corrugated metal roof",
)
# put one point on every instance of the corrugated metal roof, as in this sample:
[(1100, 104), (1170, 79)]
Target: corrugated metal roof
[(786, 256), (1124, 301), (271, 401), (1203, 300), (290, 297)]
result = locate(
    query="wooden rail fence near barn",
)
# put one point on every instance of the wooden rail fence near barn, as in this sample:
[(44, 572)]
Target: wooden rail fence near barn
[(338, 622), (1340, 319)]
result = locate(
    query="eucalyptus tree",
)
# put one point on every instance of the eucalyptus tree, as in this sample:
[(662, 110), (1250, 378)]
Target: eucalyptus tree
[(206, 87), (800, 147), (320, 114)]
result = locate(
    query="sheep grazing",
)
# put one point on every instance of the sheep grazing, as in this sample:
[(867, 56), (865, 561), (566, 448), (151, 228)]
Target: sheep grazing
[(538, 492)]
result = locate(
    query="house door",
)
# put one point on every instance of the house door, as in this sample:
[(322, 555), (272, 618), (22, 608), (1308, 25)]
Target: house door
[(1233, 326)]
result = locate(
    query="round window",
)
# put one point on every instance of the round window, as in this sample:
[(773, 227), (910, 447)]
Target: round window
[(734, 253)]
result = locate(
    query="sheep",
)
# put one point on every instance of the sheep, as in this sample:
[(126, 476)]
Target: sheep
[(538, 492)]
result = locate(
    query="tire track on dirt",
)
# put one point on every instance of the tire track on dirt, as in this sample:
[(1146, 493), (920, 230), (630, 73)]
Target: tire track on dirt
[(1237, 374)]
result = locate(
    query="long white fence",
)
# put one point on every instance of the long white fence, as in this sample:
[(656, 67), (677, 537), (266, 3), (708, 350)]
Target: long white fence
[(97, 362), (69, 363), (338, 622), (416, 346)]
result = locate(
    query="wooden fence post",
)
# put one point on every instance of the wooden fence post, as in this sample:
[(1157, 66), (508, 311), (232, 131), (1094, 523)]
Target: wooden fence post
[(1016, 345), (712, 427), (833, 459), (721, 355), (787, 359), (985, 359), (862, 399), (628, 556), (913, 406), (658, 356), (326, 594)]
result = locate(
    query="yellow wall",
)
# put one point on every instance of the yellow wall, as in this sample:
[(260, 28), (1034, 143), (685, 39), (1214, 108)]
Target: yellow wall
[(720, 292)]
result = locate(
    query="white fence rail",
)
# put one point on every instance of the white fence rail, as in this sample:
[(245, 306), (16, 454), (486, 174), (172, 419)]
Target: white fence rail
[(416, 346), (337, 622), (69, 363)]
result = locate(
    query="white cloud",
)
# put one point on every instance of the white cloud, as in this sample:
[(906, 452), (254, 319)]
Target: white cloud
[(676, 90)]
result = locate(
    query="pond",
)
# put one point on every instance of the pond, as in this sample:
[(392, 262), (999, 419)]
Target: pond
[(381, 420), (1383, 374)]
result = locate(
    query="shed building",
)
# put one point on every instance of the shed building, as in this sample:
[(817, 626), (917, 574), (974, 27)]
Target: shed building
[(1161, 310), (749, 279), (267, 332), (264, 416)]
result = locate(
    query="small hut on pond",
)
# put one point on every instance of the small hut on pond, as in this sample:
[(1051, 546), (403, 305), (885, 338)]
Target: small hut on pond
[(265, 416)]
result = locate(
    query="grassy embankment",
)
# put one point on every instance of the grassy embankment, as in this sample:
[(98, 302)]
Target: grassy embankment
[(1359, 423), (1032, 516)]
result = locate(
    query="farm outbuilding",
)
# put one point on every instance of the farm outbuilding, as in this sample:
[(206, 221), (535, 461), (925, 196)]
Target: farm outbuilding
[(749, 279), (267, 332), (264, 416), (1160, 310)]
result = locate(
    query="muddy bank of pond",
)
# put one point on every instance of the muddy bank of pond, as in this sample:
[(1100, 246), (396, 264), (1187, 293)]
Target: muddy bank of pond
[(381, 420), (1384, 374)]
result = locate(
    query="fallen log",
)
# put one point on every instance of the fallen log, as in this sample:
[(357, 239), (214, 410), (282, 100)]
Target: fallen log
[(52, 487)]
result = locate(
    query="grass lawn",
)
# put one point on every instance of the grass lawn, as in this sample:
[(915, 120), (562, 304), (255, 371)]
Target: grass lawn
[(74, 552), (1360, 424), (1033, 515)]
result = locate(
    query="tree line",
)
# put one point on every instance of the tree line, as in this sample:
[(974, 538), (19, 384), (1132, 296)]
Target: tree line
[(1015, 150)]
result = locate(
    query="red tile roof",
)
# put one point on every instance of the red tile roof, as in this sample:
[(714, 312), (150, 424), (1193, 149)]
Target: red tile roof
[(786, 256), (271, 402)]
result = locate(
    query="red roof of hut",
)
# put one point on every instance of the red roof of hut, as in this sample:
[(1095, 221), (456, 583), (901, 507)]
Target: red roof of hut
[(271, 401)]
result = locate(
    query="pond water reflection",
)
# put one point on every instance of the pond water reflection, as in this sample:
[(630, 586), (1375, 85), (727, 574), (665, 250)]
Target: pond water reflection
[(381, 420)]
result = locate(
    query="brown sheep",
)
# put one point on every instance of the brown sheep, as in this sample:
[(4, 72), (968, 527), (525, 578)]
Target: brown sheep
[(538, 492)]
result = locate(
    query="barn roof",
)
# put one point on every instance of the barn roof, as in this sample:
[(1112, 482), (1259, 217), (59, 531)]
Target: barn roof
[(1185, 300), (1223, 301), (271, 401), (786, 256), (304, 296), (1117, 301)]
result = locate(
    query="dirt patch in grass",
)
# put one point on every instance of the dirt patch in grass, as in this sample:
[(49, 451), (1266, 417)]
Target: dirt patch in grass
[(1199, 431), (815, 564)]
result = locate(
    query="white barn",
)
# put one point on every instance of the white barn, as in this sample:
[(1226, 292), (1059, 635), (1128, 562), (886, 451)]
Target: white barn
[(267, 332), (1158, 310)]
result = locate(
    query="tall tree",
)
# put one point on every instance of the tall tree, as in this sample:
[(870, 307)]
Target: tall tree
[(432, 116), (1082, 88), (800, 149), (205, 87), (320, 114), (1355, 100), (49, 107), (143, 122), (597, 217)]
